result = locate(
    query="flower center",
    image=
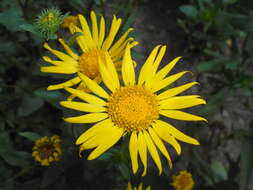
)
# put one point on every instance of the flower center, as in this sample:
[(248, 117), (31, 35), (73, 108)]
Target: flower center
[(184, 181), (133, 108), (46, 149), (88, 62)]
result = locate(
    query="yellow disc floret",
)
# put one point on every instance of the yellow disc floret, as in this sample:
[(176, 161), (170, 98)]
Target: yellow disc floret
[(133, 108), (88, 62)]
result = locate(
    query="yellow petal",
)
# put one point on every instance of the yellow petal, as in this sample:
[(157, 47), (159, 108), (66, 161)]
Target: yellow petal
[(180, 102), (93, 86), (111, 139), (140, 186), (86, 31), (128, 73), (176, 133), (175, 91), (160, 145), (59, 54), (86, 97), (59, 63), (159, 58), (129, 186), (61, 70), (153, 151), (68, 49), (163, 134), (68, 83), (158, 85), (95, 129), (165, 70), (106, 76), (133, 149), (80, 106), (87, 118), (175, 114), (94, 27), (142, 147), (113, 31), (120, 41), (101, 31), (111, 68), (118, 53), (80, 38), (147, 67)]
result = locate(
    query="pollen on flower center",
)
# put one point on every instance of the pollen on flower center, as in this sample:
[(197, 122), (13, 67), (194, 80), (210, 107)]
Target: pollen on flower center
[(133, 108), (88, 62)]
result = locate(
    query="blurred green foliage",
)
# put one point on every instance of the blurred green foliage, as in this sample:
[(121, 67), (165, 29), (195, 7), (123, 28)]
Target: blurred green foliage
[(221, 34)]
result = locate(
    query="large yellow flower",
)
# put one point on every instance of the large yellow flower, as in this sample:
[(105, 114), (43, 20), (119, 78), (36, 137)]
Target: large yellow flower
[(183, 181), (92, 44), (134, 108)]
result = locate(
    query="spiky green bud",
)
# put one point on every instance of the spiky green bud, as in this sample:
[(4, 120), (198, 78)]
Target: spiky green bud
[(48, 22)]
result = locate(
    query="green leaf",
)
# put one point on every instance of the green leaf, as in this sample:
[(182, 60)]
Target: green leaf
[(219, 171), (8, 153), (52, 97), (189, 10), (12, 19), (29, 28), (30, 104), (246, 162), (229, 2), (210, 66), (30, 135)]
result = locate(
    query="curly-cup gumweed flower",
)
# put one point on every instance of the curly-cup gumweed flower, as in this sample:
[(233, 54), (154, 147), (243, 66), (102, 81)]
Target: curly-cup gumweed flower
[(183, 181), (47, 150), (134, 107), (93, 44)]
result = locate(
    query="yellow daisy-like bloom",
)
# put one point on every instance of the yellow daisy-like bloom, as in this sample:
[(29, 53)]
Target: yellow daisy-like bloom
[(47, 150), (93, 44), (134, 108), (69, 20), (183, 181), (129, 187)]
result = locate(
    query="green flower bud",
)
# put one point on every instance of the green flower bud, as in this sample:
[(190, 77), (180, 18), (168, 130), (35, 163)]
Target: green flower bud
[(48, 22)]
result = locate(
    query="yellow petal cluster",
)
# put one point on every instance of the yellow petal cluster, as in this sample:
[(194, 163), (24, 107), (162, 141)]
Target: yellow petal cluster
[(47, 150), (93, 43), (183, 181)]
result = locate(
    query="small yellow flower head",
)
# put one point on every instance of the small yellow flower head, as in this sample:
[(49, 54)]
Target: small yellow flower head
[(46, 150), (48, 22), (70, 20), (183, 181), (129, 187)]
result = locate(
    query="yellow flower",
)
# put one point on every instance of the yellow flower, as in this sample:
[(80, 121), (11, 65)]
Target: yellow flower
[(70, 20), (93, 44), (134, 109), (129, 187), (47, 150), (183, 181)]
